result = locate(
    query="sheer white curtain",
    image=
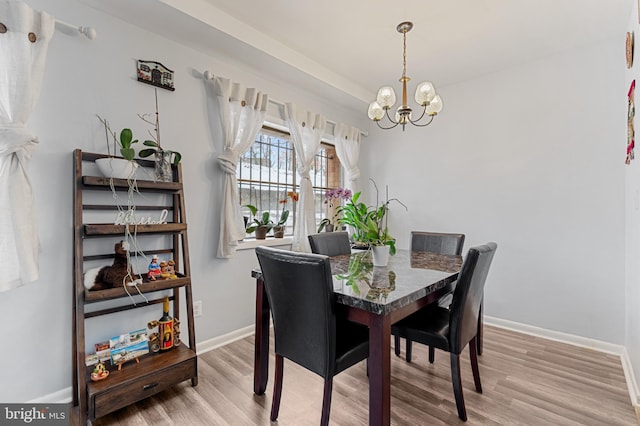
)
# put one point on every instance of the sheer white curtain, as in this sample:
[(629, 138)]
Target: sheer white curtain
[(306, 129), (347, 142), (24, 39), (242, 113)]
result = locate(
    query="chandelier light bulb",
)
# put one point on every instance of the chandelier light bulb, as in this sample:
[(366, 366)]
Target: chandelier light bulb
[(435, 106), (425, 92), (376, 112), (386, 97)]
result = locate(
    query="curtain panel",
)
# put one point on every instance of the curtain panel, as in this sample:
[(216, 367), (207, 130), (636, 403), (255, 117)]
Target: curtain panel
[(306, 129), (24, 40), (242, 113), (347, 143)]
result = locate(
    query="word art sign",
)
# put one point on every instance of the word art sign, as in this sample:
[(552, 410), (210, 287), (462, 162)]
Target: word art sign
[(129, 218)]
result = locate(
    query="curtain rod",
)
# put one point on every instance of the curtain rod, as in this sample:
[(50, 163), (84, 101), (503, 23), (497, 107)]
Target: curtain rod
[(332, 123), (72, 30), (208, 75)]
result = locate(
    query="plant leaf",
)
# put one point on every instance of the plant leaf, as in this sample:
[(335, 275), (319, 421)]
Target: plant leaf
[(146, 152), (176, 157), (150, 143), (125, 138), (128, 153)]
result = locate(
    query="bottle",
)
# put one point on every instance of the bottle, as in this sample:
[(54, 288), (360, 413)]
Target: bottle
[(165, 327)]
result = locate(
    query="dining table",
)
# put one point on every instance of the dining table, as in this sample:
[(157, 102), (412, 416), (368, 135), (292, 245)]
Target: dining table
[(373, 296)]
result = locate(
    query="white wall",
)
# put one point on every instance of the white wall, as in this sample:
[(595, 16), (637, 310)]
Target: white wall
[(632, 218), (533, 158), (83, 78), (530, 157)]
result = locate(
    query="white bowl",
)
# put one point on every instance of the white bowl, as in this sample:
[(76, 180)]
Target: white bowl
[(117, 168)]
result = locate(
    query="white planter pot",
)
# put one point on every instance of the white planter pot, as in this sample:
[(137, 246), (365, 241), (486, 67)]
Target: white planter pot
[(117, 168), (380, 255)]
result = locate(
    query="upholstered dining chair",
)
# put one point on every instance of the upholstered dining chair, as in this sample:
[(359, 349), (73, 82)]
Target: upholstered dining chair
[(307, 330), (452, 329), (433, 242), (330, 243)]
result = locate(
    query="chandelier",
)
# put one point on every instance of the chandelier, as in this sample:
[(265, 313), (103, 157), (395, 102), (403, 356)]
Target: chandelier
[(425, 96)]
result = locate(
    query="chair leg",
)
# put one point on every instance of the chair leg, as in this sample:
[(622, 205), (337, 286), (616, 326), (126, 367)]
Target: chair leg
[(326, 402), (277, 387), (409, 347), (396, 344), (479, 341), (474, 364), (456, 379), (432, 354)]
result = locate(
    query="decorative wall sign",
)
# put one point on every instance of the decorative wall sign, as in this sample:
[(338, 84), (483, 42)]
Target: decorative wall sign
[(629, 49), (156, 74), (631, 112)]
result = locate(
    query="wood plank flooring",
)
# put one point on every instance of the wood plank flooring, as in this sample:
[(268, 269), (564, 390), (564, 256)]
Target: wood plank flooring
[(526, 381)]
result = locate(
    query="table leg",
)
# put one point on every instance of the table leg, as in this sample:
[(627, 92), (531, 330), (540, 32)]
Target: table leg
[(261, 347), (380, 370)]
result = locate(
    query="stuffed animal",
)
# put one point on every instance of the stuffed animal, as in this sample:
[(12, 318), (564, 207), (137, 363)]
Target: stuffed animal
[(115, 275)]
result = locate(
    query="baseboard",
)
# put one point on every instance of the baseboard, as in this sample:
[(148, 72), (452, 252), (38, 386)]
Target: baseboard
[(62, 396), (571, 339), (632, 385), (225, 339)]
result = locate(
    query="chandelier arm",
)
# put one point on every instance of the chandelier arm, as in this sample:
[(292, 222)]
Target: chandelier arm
[(386, 128), (415, 123)]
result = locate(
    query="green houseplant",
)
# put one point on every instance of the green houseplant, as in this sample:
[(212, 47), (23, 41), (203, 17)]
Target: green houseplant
[(262, 224), (121, 168), (163, 157), (370, 222)]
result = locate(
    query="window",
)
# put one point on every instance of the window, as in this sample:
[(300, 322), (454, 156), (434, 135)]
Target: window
[(267, 173)]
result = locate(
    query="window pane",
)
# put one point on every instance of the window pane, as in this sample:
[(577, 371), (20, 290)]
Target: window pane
[(267, 176)]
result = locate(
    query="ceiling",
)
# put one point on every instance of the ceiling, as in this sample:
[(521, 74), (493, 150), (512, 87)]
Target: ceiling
[(354, 46)]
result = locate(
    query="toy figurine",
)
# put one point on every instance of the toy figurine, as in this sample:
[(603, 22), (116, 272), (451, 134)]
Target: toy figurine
[(154, 268), (168, 270), (99, 372)]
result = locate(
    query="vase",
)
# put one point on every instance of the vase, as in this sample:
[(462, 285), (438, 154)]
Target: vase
[(261, 232), (278, 231), (117, 168), (163, 166), (380, 255)]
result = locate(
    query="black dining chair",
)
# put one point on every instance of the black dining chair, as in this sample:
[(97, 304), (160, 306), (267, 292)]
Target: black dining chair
[(307, 330), (330, 243), (452, 329), (433, 242)]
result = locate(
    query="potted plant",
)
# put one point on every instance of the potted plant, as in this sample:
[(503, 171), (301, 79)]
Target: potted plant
[(333, 198), (279, 228), (120, 168), (370, 225), (163, 157), (262, 224)]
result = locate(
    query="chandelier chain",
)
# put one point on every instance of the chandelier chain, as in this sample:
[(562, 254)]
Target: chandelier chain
[(404, 54)]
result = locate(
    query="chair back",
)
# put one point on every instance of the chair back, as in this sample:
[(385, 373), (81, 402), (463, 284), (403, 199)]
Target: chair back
[(436, 242), (467, 297), (330, 243), (300, 291)]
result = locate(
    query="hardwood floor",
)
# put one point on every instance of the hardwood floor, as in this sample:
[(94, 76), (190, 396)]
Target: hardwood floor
[(526, 381)]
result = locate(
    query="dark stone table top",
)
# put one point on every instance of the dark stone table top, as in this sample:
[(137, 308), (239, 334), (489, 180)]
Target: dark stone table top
[(409, 276)]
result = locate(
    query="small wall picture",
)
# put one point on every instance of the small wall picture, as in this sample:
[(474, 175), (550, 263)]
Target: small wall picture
[(631, 112), (629, 49), (156, 74)]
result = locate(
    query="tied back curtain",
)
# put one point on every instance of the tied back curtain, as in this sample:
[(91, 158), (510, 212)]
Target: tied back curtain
[(347, 143), (306, 129), (24, 39), (242, 113)]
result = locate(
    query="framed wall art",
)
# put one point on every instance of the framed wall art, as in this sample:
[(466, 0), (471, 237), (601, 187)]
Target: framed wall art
[(156, 74), (631, 111), (629, 49)]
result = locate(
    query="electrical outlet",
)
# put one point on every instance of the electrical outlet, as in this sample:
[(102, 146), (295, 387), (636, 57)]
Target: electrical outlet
[(197, 308)]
